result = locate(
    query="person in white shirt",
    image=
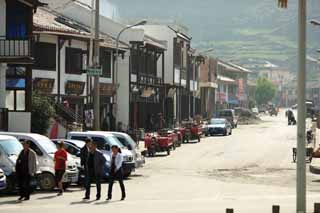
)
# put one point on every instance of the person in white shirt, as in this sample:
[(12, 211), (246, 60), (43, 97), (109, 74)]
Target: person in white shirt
[(116, 172)]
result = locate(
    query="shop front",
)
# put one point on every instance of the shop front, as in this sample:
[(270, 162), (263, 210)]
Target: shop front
[(73, 100)]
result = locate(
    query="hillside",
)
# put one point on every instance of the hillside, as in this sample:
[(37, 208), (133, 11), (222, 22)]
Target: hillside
[(239, 30)]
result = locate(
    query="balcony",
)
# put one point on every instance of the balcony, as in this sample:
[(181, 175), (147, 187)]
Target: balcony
[(15, 50)]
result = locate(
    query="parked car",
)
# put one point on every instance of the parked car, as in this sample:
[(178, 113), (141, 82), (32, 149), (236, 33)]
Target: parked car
[(205, 129), (128, 142), (255, 111), (73, 147), (10, 149), (105, 141), (230, 115), (45, 150), (219, 126), (3, 180)]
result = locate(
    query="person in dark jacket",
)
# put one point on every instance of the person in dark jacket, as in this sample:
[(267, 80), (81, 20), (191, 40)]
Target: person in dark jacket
[(84, 152), (116, 172), (26, 168), (95, 167)]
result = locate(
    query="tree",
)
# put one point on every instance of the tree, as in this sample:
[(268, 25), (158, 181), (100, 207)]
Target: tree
[(265, 91), (42, 111)]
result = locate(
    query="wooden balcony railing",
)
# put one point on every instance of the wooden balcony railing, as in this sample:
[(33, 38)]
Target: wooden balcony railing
[(15, 47)]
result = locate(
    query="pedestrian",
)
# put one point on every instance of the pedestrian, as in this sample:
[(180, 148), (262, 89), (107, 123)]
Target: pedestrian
[(83, 158), (95, 168), (60, 164), (116, 172), (26, 168)]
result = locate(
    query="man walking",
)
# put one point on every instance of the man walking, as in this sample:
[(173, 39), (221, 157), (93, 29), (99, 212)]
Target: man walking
[(95, 163), (84, 156), (26, 168), (60, 159)]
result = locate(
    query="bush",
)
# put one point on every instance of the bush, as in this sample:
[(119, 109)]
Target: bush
[(42, 111)]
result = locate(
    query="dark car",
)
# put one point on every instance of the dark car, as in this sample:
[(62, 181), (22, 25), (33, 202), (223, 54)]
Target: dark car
[(219, 126)]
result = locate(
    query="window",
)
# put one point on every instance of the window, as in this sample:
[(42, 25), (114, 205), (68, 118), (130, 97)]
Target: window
[(74, 61), (105, 61), (17, 20), (35, 148), (10, 100), (21, 100), (101, 143), (45, 56)]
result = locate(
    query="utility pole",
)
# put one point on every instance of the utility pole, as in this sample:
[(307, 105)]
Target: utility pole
[(301, 142), (96, 64)]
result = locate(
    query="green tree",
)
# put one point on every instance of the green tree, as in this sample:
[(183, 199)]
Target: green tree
[(42, 111), (265, 91)]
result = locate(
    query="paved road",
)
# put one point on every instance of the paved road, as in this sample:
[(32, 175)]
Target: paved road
[(248, 171)]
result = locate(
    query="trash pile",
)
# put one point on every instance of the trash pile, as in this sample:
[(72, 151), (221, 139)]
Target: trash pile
[(246, 117)]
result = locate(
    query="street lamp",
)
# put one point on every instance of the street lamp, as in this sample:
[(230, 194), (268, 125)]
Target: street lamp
[(315, 22), (143, 22)]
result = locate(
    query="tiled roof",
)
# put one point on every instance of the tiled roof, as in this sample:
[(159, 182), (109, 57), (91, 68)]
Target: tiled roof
[(45, 21)]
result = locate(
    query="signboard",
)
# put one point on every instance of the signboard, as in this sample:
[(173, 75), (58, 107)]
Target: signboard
[(74, 87), (107, 89), (43, 85), (94, 71)]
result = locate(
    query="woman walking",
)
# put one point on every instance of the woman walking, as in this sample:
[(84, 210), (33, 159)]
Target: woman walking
[(116, 172)]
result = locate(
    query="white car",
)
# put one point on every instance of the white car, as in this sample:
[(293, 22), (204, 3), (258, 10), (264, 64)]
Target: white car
[(45, 150), (105, 141), (128, 142)]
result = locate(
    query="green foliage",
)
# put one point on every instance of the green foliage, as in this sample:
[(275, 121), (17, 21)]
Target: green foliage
[(42, 111), (265, 91)]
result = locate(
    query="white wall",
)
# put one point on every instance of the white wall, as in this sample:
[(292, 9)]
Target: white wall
[(162, 32), (2, 18), (108, 26), (54, 74), (123, 91), (19, 121)]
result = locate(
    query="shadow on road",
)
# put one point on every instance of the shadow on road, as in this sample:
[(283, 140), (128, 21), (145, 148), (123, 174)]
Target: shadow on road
[(10, 202), (82, 202), (47, 197)]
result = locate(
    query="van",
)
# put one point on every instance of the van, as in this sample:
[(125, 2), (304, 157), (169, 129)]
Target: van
[(230, 115), (45, 149), (128, 142), (104, 142), (10, 149)]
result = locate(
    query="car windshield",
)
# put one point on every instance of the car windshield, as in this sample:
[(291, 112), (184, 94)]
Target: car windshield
[(47, 145), (217, 121), (114, 141), (11, 146)]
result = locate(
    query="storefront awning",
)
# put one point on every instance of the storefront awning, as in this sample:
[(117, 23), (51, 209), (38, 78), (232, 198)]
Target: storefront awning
[(225, 79)]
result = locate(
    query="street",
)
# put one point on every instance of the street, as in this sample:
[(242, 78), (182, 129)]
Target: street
[(249, 171)]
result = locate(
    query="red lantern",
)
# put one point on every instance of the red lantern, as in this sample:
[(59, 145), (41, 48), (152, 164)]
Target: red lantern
[(283, 3)]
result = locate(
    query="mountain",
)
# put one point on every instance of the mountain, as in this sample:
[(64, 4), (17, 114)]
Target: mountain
[(236, 29)]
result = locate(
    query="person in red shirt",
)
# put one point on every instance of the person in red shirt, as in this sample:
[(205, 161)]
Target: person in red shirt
[(60, 159)]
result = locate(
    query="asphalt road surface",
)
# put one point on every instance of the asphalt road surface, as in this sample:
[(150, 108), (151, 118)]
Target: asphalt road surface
[(249, 171)]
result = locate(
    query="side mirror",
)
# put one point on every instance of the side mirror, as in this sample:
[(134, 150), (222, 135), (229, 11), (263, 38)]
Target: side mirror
[(78, 154)]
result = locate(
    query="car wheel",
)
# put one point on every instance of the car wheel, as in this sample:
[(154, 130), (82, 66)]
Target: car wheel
[(225, 133), (47, 182)]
